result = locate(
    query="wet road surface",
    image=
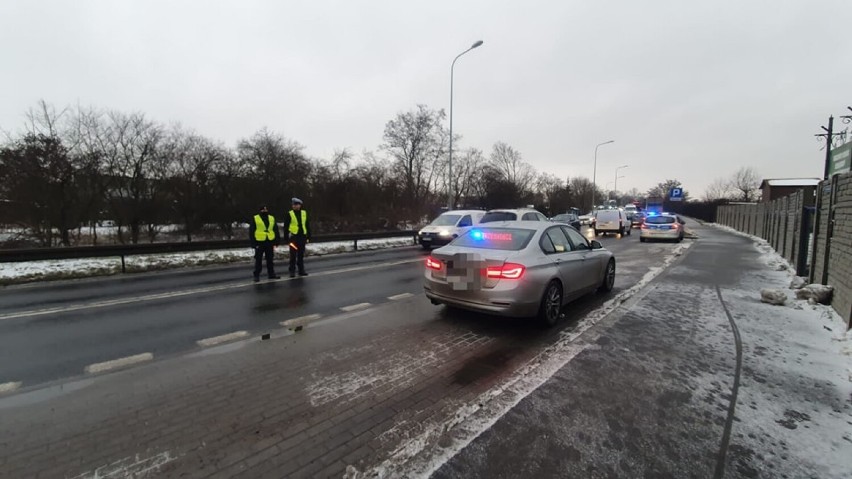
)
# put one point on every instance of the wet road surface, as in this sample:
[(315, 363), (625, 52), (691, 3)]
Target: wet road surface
[(345, 391)]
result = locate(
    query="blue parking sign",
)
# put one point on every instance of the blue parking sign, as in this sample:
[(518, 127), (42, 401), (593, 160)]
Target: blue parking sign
[(676, 194)]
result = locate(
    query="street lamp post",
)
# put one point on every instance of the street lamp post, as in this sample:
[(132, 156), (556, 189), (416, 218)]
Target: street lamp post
[(615, 187), (450, 162), (595, 171)]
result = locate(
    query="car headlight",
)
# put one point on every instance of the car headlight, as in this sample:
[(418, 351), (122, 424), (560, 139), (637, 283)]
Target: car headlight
[(444, 233)]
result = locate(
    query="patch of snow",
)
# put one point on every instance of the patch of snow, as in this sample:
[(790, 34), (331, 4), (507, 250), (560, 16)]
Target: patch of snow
[(132, 466), (819, 293), (798, 282), (97, 266), (773, 296)]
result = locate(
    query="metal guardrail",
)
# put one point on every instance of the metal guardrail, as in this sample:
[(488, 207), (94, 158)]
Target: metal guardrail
[(76, 252)]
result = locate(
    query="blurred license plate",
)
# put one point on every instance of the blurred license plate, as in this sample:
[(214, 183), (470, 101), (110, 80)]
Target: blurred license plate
[(465, 271)]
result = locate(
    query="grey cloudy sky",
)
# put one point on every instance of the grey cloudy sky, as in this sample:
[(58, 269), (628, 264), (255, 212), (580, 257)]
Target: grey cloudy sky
[(689, 90)]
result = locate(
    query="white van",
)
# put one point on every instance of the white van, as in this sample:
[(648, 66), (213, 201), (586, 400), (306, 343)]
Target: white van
[(612, 221), (447, 227)]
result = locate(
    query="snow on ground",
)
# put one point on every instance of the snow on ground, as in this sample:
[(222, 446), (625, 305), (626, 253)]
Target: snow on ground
[(794, 404), (421, 455), (72, 268)]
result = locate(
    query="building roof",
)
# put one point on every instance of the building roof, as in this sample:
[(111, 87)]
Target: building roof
[(790, 182)]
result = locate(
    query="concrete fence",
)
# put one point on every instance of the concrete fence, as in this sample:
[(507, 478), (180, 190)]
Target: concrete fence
[(812, 229)]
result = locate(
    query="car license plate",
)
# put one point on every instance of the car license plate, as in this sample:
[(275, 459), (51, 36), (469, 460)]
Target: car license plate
[(465, 271)]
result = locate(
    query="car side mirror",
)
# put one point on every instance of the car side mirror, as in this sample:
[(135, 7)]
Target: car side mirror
[(596, 244)]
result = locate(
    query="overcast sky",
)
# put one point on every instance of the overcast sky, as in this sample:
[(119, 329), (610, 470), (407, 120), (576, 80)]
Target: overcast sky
[(688, 90)]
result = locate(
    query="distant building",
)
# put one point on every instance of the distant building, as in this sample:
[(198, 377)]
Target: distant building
[(772, 189)]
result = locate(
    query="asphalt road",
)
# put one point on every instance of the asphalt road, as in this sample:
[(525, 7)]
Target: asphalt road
[(53, 331), (348, 390)]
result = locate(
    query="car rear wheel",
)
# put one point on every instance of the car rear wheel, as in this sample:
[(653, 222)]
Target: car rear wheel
[(551, 304), (609, 277), (641, 239)]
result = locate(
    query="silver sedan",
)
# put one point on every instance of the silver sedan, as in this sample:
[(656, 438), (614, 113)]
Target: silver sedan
[(519, 269)]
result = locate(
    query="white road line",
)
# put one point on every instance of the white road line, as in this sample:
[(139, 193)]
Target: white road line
[(355, 307), (118, 363), (221, 339), (9, 387), (176, 294), (300, 321), (397, 297)]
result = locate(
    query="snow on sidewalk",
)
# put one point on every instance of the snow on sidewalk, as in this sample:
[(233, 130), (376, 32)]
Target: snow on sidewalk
[(75, 268), (794, 413)]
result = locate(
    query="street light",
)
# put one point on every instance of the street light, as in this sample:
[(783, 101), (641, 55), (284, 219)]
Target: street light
[(615, 188), (450, 163), (595, 172)]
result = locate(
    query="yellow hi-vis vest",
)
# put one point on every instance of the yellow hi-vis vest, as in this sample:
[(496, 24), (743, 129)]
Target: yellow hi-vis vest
[(294, 223), (263, 232)]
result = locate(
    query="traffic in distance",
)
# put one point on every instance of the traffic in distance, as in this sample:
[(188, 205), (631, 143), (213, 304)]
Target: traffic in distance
[(520, 263)]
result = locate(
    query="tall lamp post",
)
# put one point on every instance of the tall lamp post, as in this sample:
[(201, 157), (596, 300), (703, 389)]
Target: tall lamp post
[(615, 187), (450, 162), (595, 171)]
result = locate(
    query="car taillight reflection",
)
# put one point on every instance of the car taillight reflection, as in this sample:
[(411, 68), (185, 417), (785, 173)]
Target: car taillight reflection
[(432, 263), (507, 271), (644, 226)]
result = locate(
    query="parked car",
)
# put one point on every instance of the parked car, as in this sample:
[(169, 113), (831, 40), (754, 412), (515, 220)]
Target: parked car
[(520, 214), (448, 226), (612, 221), (663, 226), (519, 269), (567, 218)]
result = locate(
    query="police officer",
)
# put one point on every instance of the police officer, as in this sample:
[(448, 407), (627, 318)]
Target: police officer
[(264, 236), (298, 230)]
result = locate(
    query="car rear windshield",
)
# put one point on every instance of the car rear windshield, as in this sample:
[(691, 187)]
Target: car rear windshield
[(567, 218), (508, 239), (446, 220), (493, 216), (659, 220)]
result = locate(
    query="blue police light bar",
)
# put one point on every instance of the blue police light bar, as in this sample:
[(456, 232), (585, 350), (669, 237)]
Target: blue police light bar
[(476, 234)]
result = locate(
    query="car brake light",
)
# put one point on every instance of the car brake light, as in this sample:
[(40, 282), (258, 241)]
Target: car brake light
[(507, 271), (432, 263), (644, 226), (674, 226)]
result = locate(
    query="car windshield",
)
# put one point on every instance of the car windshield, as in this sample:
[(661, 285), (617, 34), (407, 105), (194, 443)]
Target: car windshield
[(445, 220), (659, 220), (507, 239), (493, 216)]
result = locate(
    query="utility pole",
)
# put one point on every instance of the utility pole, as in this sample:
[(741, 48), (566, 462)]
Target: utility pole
[(829, 139)]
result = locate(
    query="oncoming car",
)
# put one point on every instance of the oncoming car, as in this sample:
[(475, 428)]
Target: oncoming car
[(518, 269), (447, 227), (663, 226)]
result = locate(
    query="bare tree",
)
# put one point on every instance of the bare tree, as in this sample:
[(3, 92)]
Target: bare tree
[(415, 140), (746, 184), (467, 168), (510, 164), (128, 143), (719, 189)]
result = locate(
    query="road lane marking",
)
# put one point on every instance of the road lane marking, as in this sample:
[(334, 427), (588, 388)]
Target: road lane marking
[(177, 294), (9, 387), (397, 297), (355, 307), (221, 339), (118, 363), (300, 321)]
